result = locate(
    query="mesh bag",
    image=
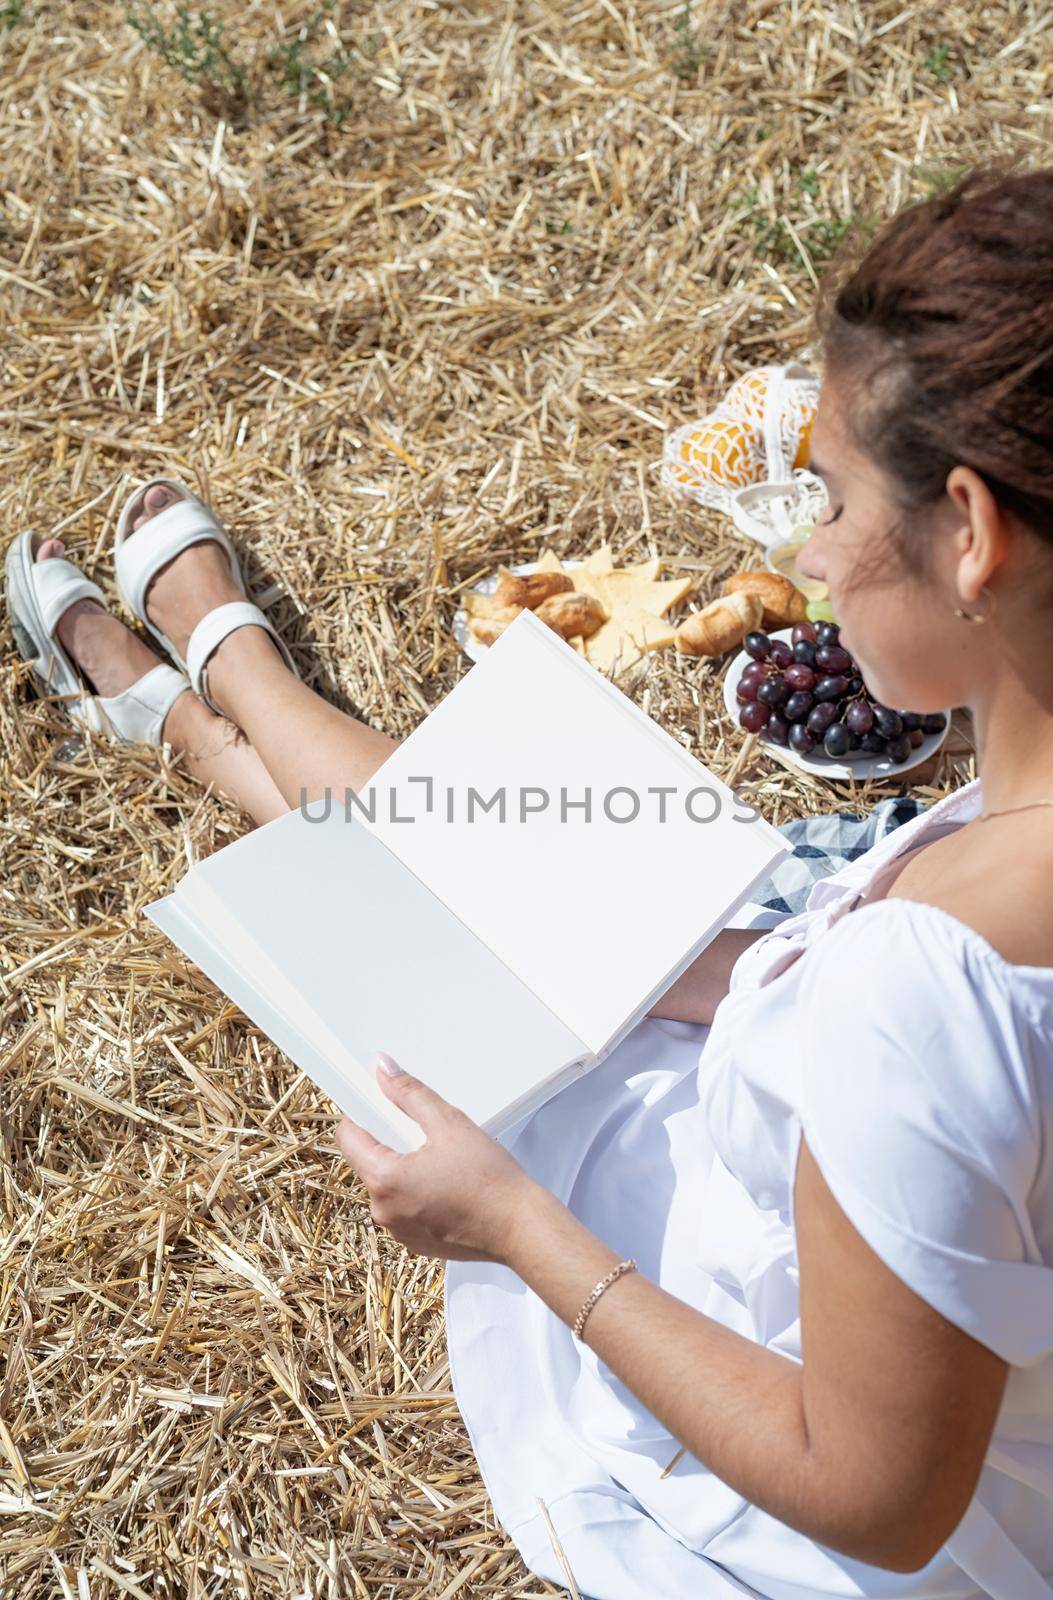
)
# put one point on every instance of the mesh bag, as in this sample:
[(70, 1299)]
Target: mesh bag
[(746, 457)]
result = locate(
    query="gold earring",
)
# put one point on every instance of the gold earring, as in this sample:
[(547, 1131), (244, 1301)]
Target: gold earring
[(969, 616)]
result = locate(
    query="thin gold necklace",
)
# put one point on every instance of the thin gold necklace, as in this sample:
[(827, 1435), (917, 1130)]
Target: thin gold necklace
[(985, 816)]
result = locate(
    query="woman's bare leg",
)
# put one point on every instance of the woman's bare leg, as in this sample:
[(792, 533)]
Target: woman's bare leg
[(305, 744), (216, 752), (213, 749)]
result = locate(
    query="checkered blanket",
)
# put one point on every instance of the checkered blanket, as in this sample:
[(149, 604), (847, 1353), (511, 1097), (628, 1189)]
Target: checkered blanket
[(822, 845)]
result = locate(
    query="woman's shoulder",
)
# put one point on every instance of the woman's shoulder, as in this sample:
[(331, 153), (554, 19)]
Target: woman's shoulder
[(922, 999), (995, 883), (917, 943)]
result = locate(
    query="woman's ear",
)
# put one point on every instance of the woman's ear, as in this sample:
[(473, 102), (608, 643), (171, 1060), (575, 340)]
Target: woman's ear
[(981, 537)]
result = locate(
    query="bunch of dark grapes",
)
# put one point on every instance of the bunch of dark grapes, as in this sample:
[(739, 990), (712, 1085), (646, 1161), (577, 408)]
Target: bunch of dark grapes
[(810, 693)]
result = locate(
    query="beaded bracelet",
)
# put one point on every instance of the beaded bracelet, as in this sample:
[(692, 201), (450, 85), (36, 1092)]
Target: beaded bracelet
[(594, 1295)]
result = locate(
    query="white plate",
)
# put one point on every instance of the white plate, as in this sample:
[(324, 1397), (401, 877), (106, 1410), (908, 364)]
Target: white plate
[(472, 647), (859, 764)]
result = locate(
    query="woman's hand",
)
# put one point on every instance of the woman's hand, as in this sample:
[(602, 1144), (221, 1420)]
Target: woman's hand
[(458, 1196)]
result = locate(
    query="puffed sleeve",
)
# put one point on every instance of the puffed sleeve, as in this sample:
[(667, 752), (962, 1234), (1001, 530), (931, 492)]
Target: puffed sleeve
[(926, 1104)]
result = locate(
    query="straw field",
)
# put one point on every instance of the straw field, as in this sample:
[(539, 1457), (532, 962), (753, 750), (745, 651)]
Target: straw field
[(406, 289)]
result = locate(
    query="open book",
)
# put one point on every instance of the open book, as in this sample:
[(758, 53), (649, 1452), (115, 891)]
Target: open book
[(525, 875)]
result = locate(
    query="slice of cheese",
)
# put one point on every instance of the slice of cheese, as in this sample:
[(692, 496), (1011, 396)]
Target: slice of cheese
[(600, 560), (586, 582), (585, 577), (647, 632), (626, 637), (635, 599), (628, 589), (612, 649)]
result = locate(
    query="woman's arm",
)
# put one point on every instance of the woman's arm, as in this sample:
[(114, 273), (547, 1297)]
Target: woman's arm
[(872, 1445), (701, 987)]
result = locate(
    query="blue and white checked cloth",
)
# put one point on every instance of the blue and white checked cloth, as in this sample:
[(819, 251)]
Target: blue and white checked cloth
[(822, 845)]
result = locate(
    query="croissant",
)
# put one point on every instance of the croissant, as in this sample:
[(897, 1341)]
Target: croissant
[(783, 603), (720, 625)]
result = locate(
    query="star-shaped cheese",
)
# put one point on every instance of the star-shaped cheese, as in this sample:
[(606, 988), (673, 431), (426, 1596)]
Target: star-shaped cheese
[(594, 565), (636, 602)]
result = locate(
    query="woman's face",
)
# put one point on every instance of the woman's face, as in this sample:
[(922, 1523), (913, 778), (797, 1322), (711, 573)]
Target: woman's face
[(897, 618)]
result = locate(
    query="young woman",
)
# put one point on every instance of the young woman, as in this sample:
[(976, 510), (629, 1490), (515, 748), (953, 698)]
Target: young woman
[(829, 1148)]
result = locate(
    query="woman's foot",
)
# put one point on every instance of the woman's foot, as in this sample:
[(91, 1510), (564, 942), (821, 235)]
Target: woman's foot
[(107, 653), (191, 584), (195, 581), (112, 658)]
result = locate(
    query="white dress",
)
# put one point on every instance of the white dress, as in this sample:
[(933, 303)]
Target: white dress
[(919, 1065)]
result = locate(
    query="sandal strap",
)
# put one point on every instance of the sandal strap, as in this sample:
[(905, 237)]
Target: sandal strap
[(139, 713), (213, 629), (38, 592), (57, 584), (167, 533)]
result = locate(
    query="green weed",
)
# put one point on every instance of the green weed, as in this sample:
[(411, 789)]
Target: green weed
[(936, 63), (302, 77), (818, 234), (688, 50), (937, 180), (193, 46), (304, 67)]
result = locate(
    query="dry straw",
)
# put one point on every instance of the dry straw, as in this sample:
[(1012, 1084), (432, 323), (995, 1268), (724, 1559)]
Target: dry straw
[(416, 293)]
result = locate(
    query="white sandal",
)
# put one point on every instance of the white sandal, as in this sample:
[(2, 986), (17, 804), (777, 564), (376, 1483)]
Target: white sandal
[(188, 521), (38, 593)]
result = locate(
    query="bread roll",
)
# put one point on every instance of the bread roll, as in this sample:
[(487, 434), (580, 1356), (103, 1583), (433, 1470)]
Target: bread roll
[(572, 614), (481, 605), (517, 590), (487, 629), (529, 588), (783, 603), (720, 626)]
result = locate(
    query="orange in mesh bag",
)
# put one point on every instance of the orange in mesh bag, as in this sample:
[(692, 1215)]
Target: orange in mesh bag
[(746, 458)]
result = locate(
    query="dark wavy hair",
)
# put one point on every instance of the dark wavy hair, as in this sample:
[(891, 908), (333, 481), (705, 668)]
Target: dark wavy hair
[(943, 331)]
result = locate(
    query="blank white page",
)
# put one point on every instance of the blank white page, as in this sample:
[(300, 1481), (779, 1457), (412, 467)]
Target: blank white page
[(337, 951), (591, 914)]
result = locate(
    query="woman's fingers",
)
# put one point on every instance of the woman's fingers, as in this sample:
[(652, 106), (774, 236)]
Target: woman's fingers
[(366, 1154), (370, 1158), (412, 1096), (456, 1196)]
